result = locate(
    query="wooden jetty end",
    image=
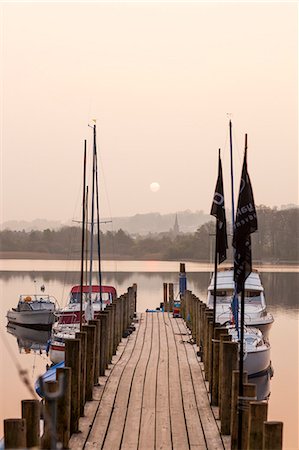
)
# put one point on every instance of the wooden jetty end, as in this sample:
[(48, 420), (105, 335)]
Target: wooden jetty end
[(155, 395)]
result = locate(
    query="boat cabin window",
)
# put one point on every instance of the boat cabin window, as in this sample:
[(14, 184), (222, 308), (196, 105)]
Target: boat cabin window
[(252, 296), (224, 296), (75, 297)]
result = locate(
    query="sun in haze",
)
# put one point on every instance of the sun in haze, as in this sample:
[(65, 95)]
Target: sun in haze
[(154, 187)]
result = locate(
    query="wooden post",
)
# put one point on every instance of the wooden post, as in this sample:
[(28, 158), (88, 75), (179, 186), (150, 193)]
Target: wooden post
[(208, 325), (91, 333), (115, 343), (31, 413), (203, 308), (234, 408), (73, 360), (97, 324), (82, 335), (171, 296), (135, 297), (50, 428), (64, 408), (165, 302), (272, 436), (249, 394), (208, 315), (103, 316), (258, 412), (228, 363), (14, 433), (215, 370), (108, 309), (223, 338)]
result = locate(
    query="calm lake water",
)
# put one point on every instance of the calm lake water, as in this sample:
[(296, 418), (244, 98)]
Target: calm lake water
[(26, 276)]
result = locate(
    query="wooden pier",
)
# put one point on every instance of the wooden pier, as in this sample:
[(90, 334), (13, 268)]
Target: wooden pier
[(147, 381), (155, 396)]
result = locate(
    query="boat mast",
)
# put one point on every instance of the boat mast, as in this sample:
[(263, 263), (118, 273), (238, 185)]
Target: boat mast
[(86, 232), (83, 236), (92, 211), (98, 226)]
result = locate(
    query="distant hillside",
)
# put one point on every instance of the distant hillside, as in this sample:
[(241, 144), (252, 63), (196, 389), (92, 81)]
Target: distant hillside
[(138, 224)]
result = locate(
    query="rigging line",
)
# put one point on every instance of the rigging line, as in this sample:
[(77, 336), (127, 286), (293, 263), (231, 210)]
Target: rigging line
[(23, 373)]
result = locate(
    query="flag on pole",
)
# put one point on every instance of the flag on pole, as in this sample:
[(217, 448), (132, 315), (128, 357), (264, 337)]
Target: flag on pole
[(218, 211), (245, 224)]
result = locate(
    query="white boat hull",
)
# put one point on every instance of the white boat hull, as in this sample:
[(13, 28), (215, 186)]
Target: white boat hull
[(34, 319), (257, 361)]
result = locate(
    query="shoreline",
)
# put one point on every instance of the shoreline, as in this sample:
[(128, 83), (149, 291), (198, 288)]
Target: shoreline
[(149, 257)]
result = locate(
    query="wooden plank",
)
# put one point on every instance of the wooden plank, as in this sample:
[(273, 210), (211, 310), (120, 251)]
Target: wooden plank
[(101, 421), (177, 417), (209, 425), (148, 410), (163, 427), (117, 420), (132, 424), (78, 440), (194, 427)]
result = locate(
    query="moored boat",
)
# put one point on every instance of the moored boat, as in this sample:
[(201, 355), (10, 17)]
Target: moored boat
[(256, 314), (35, 311), (69, 317)]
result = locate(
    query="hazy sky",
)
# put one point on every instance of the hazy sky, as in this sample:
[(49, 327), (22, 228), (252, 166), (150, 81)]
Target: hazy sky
[(160, 79)]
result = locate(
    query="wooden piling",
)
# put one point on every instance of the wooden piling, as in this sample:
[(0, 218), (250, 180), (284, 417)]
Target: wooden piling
[(15, 433), (249, 394), (73, 360), (103, 316), (31, 413), (258, 413), (234, 407), (97, 324), (82, 335), (135, 296), (90, 356), (228, 363), (223, 338), (64, 407), (171, 296), (272, 435), (50, 428)]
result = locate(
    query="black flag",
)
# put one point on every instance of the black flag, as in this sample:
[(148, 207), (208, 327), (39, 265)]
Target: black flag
[(245, 224), (218, 211)]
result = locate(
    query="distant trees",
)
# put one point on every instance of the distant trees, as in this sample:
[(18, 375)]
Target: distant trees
[(276, 241)]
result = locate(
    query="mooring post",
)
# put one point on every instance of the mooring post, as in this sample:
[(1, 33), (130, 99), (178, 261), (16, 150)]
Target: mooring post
[(171, 296), (135, 297), (109, 335), (90, 356), (64, 408), (272, 435), (50, 421), (97, 350), (103, 316), (203, 308), (82, 335), (234, 407), (228, 363), (249, 394), (31, 413), (15, 433), (258, 413), (223, 338), (218, 331), (73, 360)]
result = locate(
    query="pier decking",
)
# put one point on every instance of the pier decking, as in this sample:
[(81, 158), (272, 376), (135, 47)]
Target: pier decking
[(154, 395)]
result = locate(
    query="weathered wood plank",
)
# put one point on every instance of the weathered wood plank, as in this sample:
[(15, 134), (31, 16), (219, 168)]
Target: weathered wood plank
[(194, 427), (117, 420), (148, 410), (163, 427), (132, 425), (177, 417), (101, 421), (211, 431)]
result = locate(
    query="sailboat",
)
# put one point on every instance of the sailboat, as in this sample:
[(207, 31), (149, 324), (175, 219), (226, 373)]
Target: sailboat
[(222, 295), (85, 301)]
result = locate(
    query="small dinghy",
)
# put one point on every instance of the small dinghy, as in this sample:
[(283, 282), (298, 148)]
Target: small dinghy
[(34, 311)]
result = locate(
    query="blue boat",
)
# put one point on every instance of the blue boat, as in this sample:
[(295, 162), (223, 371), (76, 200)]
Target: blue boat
[(49, 375)]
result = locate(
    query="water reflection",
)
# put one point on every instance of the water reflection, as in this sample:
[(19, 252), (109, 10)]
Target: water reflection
[(29, 339)]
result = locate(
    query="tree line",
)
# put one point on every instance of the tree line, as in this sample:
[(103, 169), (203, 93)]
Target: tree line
[(276, 241)]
